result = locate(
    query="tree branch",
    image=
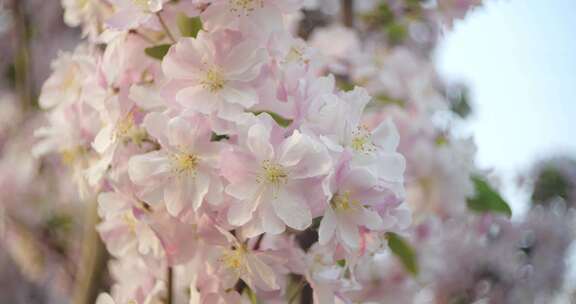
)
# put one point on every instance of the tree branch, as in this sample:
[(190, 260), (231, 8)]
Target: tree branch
[(348, 12), (22, 58), (93, 260)]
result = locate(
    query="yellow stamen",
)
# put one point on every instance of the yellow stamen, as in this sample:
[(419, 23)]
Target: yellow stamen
[(245, 6), (343, 202), (273, 174), (185, 163), (71, 156), (143, 4), (124, 126), (213, 80), (296, 54), (361, 140), (234, 259), (130, 220)]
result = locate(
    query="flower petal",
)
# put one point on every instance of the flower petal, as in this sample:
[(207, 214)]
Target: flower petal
[(149, 168), (292, 210), (327, 227)]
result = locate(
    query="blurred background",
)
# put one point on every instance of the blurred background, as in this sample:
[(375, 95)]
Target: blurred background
[(518, 59)]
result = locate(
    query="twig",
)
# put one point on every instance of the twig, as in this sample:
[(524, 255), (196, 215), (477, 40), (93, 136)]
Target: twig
[(144, 37), (297, 290), (258, 241), (165, 27), (169, 285), (93, 261)]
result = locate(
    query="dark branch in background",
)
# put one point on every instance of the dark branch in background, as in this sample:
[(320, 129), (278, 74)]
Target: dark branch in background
[(22, 58), (348, 12), (169, 285), (92, 265)]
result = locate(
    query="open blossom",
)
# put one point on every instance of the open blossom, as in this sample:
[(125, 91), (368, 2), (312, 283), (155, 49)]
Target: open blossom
[(338, 121), (328, 279), (125, 229), (213, 73), (356, 195), (181, 173), (236, 261), (65, 85), (265, 15), (131, 13), (138, 281), (269, 176), (89, 14)]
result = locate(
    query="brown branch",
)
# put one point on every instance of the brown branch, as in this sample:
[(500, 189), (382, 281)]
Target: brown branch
[(169, 285), (93, 260), (22, 58), (348, 12)]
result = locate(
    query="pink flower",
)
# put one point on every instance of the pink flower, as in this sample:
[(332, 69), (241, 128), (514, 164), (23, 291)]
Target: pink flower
[(268, 176), (265, 15), (355, 197), (337, 121), (124, 228), (181, 173), (139, 280), (236, 261), (132, 13), (214, 72), (65, 85)]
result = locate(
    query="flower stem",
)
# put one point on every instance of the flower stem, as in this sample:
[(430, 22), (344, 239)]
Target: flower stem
[(22, 58), (165, 27), (348, 12), (169, 285)]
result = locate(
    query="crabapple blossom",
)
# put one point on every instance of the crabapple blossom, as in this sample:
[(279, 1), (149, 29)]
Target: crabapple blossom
[(132, 13), (213, 73), (235, 260), (124, 228), (267, 174), (181, 173), (355, 195), (266, 15), (65, 85)]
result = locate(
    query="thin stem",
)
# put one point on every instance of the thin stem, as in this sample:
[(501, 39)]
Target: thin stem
[(297, 291), (165, 27), (169, 285), (348, 12), (258, 242), (144, 37)]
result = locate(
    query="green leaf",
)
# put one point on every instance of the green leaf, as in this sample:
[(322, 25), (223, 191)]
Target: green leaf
[(487, 199), (341, 262), (396, 33), (189, 26), (251, 295), (158, 51), (344, 84), (281, 121), (403, 251), (218, 137), (386, 100)]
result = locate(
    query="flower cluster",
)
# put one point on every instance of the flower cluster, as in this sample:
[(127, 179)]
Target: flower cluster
[(212, 142)]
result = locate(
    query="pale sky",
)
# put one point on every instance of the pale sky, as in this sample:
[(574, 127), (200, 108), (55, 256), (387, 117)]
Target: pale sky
[(519, 58)]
